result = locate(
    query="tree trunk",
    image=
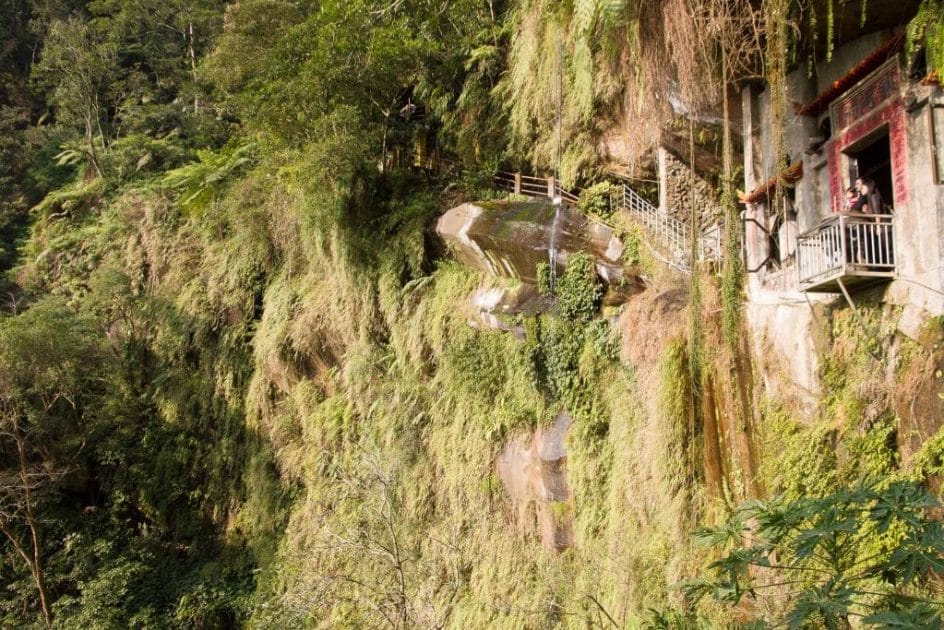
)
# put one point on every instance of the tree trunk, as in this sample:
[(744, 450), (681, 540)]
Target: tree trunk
[(90, 140), (193, 66), (36, 563), (39, 576)]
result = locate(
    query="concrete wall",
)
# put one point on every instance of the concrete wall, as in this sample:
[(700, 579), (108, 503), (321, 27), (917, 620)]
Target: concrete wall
[(844, 57), (784, 335)]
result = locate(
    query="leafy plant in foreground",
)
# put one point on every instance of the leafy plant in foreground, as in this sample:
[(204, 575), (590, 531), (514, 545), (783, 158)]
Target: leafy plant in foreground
[(864, 552)]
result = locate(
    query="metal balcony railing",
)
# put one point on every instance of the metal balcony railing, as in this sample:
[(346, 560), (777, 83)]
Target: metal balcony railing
[(844, 250)]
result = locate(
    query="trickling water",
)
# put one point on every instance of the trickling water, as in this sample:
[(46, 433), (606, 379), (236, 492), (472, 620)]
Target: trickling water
[(552, 250)]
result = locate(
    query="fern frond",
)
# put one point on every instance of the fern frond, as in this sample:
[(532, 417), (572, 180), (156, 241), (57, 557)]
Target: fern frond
[(926, 29)]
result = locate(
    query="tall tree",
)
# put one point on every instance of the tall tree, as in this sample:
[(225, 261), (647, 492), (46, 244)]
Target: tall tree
[(50, 363), (79, 67)]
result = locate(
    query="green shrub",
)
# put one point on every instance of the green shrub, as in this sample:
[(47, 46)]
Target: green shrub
[(478, 180), (544, 279), (600, 200), (578, 289), (632, 245)]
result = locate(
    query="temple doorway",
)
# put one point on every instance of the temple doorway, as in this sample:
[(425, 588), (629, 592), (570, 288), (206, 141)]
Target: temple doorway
[(872, 158)]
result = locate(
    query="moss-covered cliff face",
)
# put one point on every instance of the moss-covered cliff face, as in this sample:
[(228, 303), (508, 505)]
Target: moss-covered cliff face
[(327, 410)]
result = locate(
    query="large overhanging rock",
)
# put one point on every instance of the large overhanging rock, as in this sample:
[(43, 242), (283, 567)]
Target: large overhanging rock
[(510, 238)]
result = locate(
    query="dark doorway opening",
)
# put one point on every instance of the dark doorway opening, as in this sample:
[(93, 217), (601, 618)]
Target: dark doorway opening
[(873, 159)]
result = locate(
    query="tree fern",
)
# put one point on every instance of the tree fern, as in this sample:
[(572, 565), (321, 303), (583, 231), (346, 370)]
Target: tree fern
[(199, 182)]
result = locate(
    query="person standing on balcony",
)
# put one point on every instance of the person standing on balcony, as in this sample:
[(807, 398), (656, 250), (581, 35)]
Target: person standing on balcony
[(858, 204), (878, 235), (870, 198), (855, 202)]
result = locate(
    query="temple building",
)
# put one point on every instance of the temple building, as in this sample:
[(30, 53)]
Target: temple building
[(869, 113)]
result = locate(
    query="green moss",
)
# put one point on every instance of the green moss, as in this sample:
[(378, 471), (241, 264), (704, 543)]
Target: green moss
[(873, 453), (679, 442), (797, 460), (928, 462), (635, 252), (560, 511), (632, 239), (853, 435)]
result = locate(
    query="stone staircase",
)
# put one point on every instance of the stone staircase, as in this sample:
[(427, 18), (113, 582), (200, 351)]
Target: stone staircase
[(670, 239)]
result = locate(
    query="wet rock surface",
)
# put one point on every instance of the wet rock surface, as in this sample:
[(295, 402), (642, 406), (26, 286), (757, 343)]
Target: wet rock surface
[(496, 306), (533, 470), (511, 239)]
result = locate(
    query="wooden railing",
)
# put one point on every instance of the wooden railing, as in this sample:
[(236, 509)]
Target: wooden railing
[(521, 184), (852, 244)]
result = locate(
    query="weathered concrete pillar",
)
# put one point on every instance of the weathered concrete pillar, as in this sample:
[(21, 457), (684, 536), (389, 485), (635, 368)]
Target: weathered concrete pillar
[(551, 192), (663, 180), (755, 244), (517, 183), (748, 116)]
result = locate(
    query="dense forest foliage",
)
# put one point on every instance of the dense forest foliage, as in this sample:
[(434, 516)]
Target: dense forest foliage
[(235, 387)]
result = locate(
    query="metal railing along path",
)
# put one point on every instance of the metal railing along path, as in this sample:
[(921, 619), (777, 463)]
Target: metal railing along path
[(670, 238)]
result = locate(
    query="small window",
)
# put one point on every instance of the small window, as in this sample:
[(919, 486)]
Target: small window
[(826, 128), (937, 142)]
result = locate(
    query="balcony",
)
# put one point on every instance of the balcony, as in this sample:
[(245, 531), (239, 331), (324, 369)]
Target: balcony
[(849, 250)]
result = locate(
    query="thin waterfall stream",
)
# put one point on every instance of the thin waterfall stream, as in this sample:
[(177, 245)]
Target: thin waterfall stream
[(552, 250)]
